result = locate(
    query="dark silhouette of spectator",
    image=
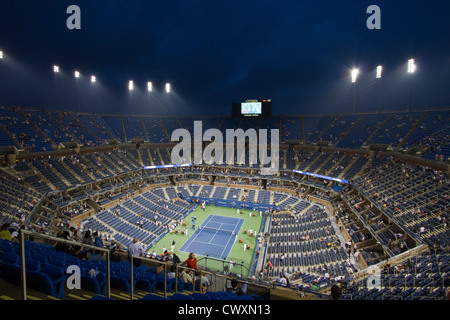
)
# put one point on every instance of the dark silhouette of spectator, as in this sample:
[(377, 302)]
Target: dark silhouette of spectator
[(336, 292)]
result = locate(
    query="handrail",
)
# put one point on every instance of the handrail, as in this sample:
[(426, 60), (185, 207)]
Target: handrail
[(390, 216), (206, 258), (36, 208), (24, 233), (214, 277)]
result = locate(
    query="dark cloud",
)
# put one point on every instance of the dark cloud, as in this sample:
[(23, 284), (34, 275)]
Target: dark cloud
[(213, 52)]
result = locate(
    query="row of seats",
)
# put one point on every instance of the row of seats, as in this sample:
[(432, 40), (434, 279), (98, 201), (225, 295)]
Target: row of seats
[(423, 278), (16, 200), (418, 197), (41, 130), (47, 265), (209, 295), (124, 222)]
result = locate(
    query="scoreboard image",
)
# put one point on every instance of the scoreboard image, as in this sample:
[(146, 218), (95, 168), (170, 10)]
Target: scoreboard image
[(252, 108)]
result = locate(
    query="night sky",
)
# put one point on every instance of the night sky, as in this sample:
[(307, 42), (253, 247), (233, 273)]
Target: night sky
[(297, 53)]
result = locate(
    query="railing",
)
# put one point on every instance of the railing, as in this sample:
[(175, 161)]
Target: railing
[(218, 282), (25, 233), (408, 283), (241, 265)]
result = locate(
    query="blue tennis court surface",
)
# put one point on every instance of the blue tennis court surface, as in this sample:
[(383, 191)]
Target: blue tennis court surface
[(214, 237)]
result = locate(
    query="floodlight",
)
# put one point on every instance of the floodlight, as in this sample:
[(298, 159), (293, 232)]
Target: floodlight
[(167, 87), (149, 87), (55, 69), (379, 70), (411, 70), (354, 75), (93, 79), (1, 54), (77, 74), (130, 85), (411, 66)]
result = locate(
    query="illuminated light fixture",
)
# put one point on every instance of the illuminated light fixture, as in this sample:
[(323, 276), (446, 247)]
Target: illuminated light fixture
[(1, 54), (77, 74), (379, 70), (55, 69), (93, 79), (168, 87), (149, 86), (411, 66), (130, 85), (411, 70), (354, 75)]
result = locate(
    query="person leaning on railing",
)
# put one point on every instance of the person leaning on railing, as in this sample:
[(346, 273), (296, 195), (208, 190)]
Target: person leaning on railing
[(190, 262)]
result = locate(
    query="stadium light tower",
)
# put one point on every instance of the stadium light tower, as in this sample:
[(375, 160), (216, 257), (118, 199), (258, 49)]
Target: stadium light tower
[(355, 73), (1, 57), (77, 75), (55, 71), (168, 87), (149, 90), (130, 90), (93, 81), (379, 72), (411, 70)]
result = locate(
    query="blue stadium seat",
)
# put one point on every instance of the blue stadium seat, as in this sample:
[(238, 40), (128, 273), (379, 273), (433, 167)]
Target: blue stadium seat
[(91, 284), (122, 283), (10, 257), (100, 297), (11, 272), (181, 296), (57, 274), (200, 296), (32, 265), (43, 283), (152, 296), (146, 282)]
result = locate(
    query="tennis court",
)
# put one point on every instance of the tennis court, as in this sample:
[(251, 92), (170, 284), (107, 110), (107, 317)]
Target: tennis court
[(214, 237)]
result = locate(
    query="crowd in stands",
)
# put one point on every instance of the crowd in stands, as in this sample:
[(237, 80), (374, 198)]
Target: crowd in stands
[(390, 206)]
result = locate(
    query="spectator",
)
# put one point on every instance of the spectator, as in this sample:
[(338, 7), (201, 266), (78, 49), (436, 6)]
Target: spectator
[(87, 239), (80, 253), (114, 256), (236, 288), (191, 262), (74, 234), (226, 270), (14, 230), (336, 292), (4, 232), (176, 260), (135, 250), (201, 282), (186, 277), (98, 242), (171, 273), (62, 246)]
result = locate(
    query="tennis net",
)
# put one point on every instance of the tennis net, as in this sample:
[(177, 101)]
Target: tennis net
[(215, 230)]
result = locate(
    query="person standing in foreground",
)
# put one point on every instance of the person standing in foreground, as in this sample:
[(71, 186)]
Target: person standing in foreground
[(135, 249)]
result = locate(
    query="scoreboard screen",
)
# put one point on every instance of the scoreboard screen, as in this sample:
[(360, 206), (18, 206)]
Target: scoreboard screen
[(252, 108)]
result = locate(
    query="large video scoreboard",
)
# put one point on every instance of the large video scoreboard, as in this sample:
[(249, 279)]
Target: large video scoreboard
[(252, 108)]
